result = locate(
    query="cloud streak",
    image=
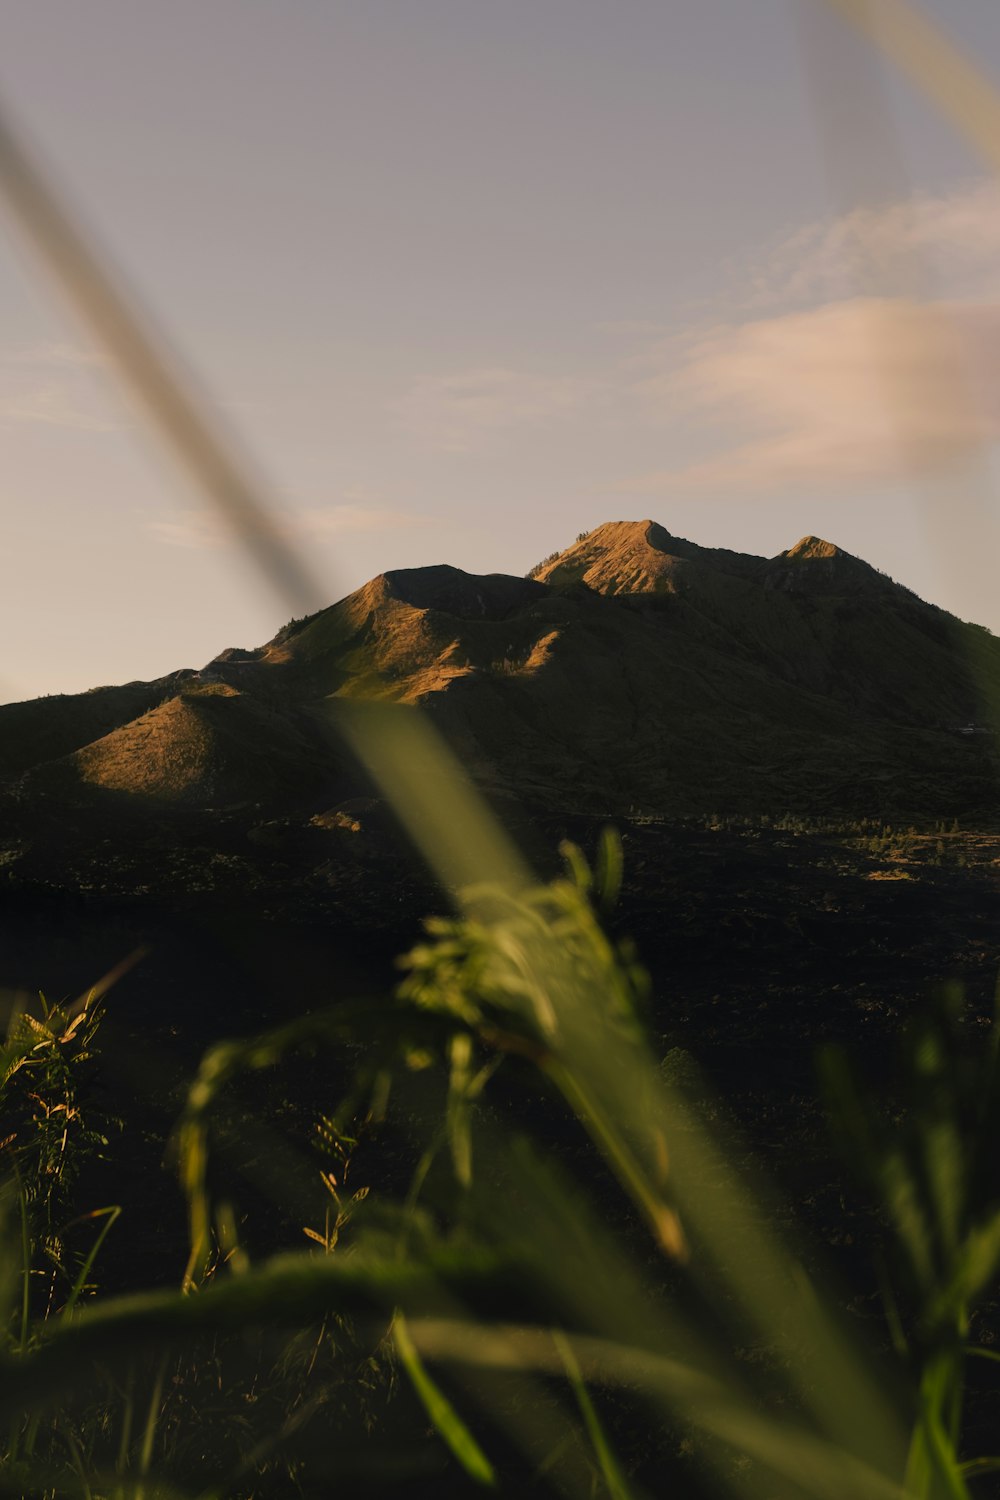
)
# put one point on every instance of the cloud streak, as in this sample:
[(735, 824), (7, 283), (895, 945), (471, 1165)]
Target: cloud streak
[(845, 385), (460, 412), (58, 354), (950, 239), (204, 530), (49, 385), (50, 404), (865, 350), (867, 390)]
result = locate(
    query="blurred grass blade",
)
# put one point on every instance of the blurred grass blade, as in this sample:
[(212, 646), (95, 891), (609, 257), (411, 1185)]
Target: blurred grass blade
[(438, 806), (110, 1216), (978, 1353), (290, 1289), (440, 1410), (458, 1105), (617, 1485), (814, 1466), (663, 1222), (974, 1468), (609, 869), (961, 90), (542, 978), (107, 982), (168, 394)]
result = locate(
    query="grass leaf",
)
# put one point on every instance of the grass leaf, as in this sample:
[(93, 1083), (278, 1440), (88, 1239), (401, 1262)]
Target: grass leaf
[(617, 1485), (441, 1412)]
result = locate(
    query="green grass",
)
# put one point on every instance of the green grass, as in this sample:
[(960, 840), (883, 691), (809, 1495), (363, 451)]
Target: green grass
[(547, 1349)]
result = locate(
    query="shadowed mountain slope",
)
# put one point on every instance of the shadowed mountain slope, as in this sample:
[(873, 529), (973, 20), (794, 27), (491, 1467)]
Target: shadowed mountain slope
[(633, 670), (45, 728)]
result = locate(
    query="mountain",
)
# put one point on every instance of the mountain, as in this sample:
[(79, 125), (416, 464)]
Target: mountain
[(632, 671)]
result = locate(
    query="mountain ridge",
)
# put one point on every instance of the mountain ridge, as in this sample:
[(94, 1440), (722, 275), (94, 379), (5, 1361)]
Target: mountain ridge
[(632, 669)]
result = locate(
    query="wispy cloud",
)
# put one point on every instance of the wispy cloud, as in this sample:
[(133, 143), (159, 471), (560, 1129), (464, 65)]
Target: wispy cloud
[(200, 530), (57, 354), (50, 405), (861, 391), (456, 413), (204, 530), (949, 239), (339, 520), (50, 385), (838, 384)]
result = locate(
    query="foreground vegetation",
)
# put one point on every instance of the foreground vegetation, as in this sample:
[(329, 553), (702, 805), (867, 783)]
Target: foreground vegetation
[(610, 1316)]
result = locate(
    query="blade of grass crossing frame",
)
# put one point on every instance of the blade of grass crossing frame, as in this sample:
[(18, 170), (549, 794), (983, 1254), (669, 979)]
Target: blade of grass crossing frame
[(178, 410), (786, 1451), (441, 810), (441, 1412), (617, 1485), (973, 1468), (109, 1215), (910, 39)]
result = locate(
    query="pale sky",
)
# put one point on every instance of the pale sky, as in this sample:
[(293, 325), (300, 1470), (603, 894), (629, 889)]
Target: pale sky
[(471, 276)]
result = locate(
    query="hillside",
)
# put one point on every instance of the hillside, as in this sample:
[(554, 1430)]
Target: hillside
[(634, 671)]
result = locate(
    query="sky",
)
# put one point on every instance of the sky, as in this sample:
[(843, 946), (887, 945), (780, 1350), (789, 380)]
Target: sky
[(466, 278)]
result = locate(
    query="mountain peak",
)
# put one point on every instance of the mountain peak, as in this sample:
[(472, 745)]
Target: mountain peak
[(617, 557), (828, 569), (636, 532), (813, 546), (638, 557)]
